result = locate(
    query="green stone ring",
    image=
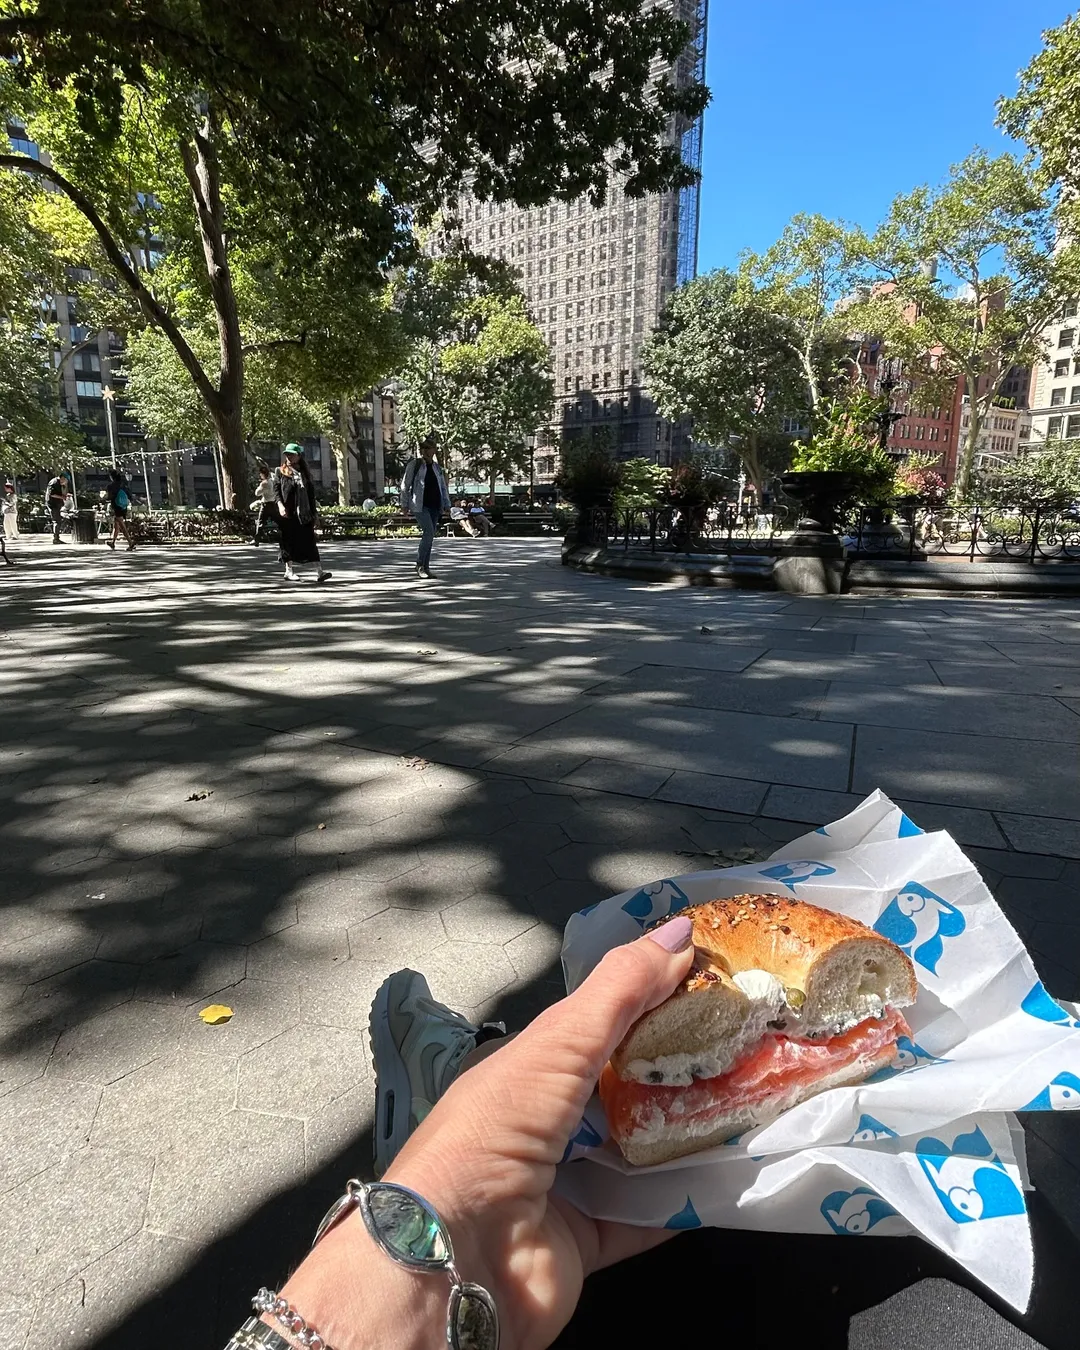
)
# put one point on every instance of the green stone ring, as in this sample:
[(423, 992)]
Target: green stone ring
[(410, 1232)]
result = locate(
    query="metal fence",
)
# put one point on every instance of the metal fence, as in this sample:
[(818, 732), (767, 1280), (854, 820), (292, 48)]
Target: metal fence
[(911, 529), (916, 530)]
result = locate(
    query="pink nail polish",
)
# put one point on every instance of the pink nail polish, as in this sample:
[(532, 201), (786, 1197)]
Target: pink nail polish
[(673, 936)]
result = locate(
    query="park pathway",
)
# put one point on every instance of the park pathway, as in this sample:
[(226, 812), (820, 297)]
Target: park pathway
[(219, 789)]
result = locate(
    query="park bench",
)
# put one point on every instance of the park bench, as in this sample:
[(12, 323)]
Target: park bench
[(529, 522)]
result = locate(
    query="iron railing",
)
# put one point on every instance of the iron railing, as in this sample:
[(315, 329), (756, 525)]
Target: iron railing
[(1028, 533), (911, 529)]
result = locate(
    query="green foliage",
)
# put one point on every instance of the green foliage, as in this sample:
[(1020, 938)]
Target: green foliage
[(166, 403), (32, 436), (643, 486), (800, 281), (1045, 111), (1048, 478), (722, 358), (1004, 275), (481, 385), (692, 486), (356, 114), (588, 474), (845, 442), (920, 476)]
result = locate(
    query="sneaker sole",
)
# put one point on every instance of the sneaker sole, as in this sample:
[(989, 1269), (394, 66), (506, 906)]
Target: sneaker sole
[(393, 1093)]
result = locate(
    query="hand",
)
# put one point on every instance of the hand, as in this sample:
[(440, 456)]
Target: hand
[(281, 508), (485, 1158)]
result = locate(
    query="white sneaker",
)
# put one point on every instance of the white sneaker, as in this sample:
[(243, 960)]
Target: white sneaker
[(290, 575), (417, 1046)]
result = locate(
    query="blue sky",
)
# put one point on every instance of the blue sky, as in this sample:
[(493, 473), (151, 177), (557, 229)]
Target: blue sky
[(835, 108)]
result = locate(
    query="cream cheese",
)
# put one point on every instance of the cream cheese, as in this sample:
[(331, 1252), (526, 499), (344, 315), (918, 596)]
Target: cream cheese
[(766, 996)]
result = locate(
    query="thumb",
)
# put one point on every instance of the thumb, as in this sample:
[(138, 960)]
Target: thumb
[(577, 1036)]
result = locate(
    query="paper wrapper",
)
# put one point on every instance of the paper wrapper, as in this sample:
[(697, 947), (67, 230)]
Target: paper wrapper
[(927, 1147)]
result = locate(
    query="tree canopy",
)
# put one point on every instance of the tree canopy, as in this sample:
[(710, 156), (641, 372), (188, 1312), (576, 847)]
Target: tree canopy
[(480, 380), (801, 280), (190, 132), (973, 272), (726, 360)]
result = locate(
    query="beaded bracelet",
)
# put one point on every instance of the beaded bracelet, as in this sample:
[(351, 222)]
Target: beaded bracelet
[(283, 1312)]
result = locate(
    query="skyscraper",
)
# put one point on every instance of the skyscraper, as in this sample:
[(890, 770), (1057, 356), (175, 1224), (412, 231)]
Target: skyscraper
[(596, 279)]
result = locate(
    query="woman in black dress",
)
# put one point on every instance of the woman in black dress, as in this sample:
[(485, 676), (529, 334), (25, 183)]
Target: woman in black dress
[(294, 494)]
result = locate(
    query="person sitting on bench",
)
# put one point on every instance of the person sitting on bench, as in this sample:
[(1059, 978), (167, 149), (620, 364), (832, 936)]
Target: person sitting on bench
[(479, 519)]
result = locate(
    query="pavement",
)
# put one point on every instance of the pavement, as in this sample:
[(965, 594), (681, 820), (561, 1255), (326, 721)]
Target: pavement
[(217, 788)]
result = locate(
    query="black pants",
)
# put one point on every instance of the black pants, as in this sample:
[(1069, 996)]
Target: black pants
[(261, 519), (54, 511)]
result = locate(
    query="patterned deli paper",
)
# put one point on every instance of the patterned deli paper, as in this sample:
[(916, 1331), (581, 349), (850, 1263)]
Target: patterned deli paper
[(928, 1146)]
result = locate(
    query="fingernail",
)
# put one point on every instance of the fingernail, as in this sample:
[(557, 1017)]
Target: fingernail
[(673, 936)]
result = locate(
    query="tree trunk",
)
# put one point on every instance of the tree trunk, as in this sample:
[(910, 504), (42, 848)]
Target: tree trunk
[(172, 476), (204, 179), (339, 445), (494, 480), (967, 454), (749, 456)]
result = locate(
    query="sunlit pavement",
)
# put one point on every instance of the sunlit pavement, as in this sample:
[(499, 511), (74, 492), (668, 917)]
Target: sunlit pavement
[(221, 788)]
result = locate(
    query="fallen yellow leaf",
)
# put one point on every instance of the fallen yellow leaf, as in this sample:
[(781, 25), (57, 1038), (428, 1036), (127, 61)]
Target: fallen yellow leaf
[(215, 1014)]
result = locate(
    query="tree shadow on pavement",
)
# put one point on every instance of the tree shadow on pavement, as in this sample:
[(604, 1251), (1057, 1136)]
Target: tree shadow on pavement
[(216, 790)]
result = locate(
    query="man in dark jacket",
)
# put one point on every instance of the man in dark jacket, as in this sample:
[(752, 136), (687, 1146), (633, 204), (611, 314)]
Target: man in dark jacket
[(56, 494)]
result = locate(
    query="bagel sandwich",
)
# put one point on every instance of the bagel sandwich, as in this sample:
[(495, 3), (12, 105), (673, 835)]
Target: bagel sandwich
[(784, 1000)]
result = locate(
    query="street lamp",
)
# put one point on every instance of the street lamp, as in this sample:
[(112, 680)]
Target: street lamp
[(109, 395), (887, 417)]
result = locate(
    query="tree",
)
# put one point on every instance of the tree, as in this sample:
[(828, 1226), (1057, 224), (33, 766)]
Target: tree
[(1049, 479), (214, 119), (1045, 111), (31, 435), (801, 280), (34, 433), (1000, 277), (724, 359), (483, 386)]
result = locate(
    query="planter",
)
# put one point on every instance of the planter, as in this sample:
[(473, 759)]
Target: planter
[(590, 527), (820, 495)]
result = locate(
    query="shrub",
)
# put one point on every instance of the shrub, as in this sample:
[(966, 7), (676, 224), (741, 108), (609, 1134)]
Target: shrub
[(589, 476)]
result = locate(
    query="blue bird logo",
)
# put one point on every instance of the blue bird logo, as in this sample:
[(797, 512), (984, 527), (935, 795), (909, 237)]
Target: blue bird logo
[(583, 1137), (855, 1212), (1038, 1003), (792, 874), (687, 1217), (919, 921), (656, 901), (968, 1178), (1060, 1094), (908, 1056), (869, 1129)]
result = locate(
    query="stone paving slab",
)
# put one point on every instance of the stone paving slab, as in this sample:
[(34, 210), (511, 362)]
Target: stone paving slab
[(219, 789)]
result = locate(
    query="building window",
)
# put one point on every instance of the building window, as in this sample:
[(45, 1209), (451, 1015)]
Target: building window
[(933, 433), (1057, 396), (1074, 397), (1072, 427), (1061, 368), (1053, 428), (1066, 337), (88, 388), (920, 432)]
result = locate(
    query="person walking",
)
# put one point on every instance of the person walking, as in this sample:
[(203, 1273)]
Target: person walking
[(264, 499), (10, 509), (118, 495), (57, 491), (294, 493), (425, 495)]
